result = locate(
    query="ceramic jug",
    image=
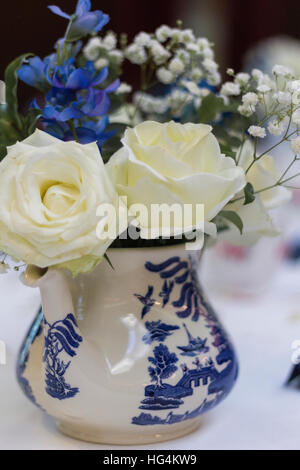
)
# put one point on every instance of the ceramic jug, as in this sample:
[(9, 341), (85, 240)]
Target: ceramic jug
[(132, 354)]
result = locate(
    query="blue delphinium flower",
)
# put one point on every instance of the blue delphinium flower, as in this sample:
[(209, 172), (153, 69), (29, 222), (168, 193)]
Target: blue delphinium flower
[(83, 21)]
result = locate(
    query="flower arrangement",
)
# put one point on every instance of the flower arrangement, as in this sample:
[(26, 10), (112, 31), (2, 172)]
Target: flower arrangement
[(183, 138)]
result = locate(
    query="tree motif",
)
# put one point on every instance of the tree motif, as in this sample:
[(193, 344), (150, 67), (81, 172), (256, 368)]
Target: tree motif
[(164, 364)]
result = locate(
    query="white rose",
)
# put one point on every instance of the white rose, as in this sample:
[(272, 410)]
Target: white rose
[(255, 216), (174, 163), (50, 191)]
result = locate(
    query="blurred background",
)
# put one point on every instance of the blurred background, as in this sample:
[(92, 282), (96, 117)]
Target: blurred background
[(235, 26)]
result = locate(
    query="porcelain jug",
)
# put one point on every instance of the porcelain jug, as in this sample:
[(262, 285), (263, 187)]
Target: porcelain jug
[(132, 354)]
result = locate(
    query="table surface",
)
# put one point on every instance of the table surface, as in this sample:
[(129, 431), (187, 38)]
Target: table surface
[(260, 413)]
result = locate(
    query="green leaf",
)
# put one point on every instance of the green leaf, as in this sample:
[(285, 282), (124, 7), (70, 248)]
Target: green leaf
[(30, 120), (249, 194), (234, 218), (108, 260), (8, 134), (3, 151), (11, 82), (211, 105)]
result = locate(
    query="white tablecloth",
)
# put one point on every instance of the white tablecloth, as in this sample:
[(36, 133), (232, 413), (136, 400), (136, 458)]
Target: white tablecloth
[(260, 413)]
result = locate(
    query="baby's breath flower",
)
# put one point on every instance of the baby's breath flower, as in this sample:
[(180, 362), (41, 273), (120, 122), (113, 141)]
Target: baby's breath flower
[(263, 88), (245, 110), (296, 117), (183, 55), (193, 48), (101, 63), (92, 48), (196, 74), (283, 97), (165, 76), (203, 43), (124, 88), (187, 36), (175, 34), (293, 85), (250, 99), (214, 79), (242, 78), (230, 72), (210, 65), (283, 71), (257, 131), (160, 54), (295, 145), (142, 39), (278, 127), (256, 74), (136, 54), (116, 56), (230, 88), (110, 41), (163, 33), (176, 66)]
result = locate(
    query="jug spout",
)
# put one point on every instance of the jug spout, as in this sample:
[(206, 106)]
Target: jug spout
[(55, 291)]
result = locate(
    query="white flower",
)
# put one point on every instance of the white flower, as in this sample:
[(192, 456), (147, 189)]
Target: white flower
[(187, 36), (278, 127), (142, 39), (210, 65), (256, 219), (207, 52), (283, 97), (196, 74), (116, 56), (246, 110), (230, 72), (193, 48), (296, 117), (2, 92), (176, 66), (124, 88), (214, 79), (263, 88), (256, 74), (203, 43), (165, 76), (110, 41), (250, 99), (257, 131), (136, 54), (174, 163), (230, 88), (150, 104), (163, 33), (183, 55), (160, 54), (92, 49), (101, 63), (51, 192), (293, 85), (3, 267), (175, 34), (295, 145), (242, 78), (283, 71)]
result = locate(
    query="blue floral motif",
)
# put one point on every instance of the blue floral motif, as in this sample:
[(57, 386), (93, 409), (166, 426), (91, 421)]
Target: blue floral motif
[(188, 301), (158, 331), (61, 338), (202, 370)]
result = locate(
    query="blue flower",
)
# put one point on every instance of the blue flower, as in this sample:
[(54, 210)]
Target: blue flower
[(69, 77), (87, 132), (35, 73), (83, 21)]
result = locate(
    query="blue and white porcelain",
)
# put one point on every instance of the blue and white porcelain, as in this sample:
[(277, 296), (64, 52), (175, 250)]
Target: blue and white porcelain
[(129, 355)]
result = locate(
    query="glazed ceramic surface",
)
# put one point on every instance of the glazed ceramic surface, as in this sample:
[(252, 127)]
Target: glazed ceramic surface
[(127, 356)]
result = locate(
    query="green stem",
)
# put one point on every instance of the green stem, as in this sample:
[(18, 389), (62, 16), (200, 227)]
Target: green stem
[(73, 130)]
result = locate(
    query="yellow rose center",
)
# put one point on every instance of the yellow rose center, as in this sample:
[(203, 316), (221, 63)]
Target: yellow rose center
[(59, 198)]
